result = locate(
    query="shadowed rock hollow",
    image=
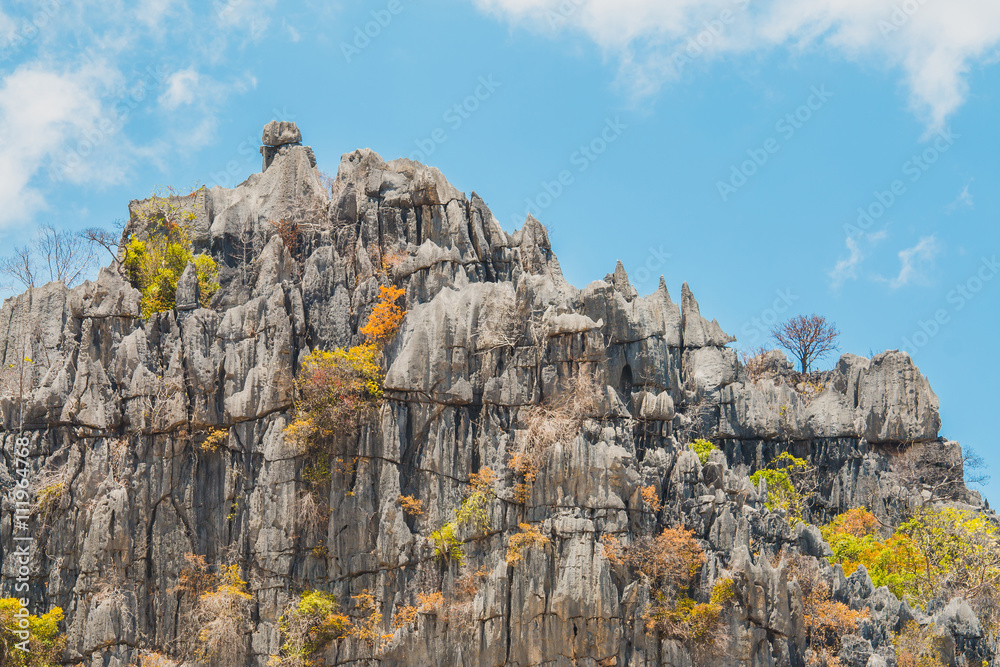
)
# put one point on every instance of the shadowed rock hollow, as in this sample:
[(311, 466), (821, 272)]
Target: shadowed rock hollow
[(116, 406)]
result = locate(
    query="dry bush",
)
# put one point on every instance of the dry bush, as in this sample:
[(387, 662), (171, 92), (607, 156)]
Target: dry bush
[(612, 549), (430, 603), (51, 488), (498, 325), (755, 363), (288, 230), (224, 616), (556, 420), (312, 514), (826, 620), (154, 659), (672, 558), (391, 260), (119, 452), (467, 585), (411, 506), (919, 646)]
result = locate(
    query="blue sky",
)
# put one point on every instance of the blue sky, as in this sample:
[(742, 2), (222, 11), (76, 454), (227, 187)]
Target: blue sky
[(720, 142)]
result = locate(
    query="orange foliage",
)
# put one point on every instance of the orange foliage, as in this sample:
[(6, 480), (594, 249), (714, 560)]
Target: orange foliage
[(411, 505), (673, 556), (526, 466), (385, 318), (483, 481), (430, 603), (651, 498), (611, 548)]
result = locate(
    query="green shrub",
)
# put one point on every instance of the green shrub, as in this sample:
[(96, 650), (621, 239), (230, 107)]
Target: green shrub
[(447, 546), (154, 265), (703, 448), (783, 491)]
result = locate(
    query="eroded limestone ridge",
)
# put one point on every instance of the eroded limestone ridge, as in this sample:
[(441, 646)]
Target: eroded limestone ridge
[(116, 408)]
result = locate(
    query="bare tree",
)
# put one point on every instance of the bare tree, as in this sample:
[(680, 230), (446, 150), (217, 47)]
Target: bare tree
[(109, 239), (53, 255), (807, 337)]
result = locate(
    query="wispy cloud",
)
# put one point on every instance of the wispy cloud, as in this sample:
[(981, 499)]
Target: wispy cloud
[(42, 110), (848, 268), (62, 124), (934, 44), (964, 200), (915, 262)]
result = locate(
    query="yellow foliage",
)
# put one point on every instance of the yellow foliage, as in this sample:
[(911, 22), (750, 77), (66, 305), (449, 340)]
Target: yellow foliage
[(41, 637), (918, 646), (528, 537), (216, 438), (404, 617)]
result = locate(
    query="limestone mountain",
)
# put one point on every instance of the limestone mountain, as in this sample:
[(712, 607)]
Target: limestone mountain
[(581, 402)]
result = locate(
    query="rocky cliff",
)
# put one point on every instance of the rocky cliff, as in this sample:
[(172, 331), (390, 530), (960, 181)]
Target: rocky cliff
[(116, 408)]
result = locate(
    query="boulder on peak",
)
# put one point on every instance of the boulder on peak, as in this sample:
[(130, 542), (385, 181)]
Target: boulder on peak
[(277, 135), (281, 133)]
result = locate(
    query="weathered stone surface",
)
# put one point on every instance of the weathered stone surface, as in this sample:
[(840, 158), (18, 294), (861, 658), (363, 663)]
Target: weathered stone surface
[(279, 133), (116, 407)]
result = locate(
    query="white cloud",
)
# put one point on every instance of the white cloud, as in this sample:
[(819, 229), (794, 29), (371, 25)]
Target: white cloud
[(847, 268), (43, 113), (182, 88), (915, 261), (964, 200), (934, 43), (251, 16)]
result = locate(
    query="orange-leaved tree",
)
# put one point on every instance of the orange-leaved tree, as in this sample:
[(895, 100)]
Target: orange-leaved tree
[(386, 317), (337, 390)]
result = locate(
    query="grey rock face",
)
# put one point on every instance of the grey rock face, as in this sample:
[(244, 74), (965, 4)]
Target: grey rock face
[(116, 408), (188, 295), (279, 133)]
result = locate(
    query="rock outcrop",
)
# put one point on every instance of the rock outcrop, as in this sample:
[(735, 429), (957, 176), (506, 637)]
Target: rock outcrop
[(116, 407)]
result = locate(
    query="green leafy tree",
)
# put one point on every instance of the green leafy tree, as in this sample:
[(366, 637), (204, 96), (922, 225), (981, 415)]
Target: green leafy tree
[(786, 476), (41, 637), (154, 264)]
